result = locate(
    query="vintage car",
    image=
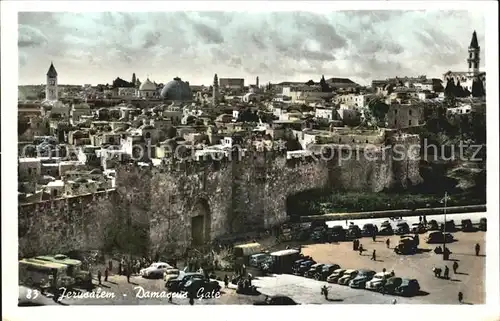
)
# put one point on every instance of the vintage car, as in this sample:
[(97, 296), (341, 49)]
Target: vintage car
[(448, 227), (336, 234), (347, 276), (432, 225), (257, 259), (482, 224), (385, 229), (439, 237), (353, 232), (319, 234), (402, 228), (335, 276), (408, 244), (171, 274), (155, 270), (401, 286), (369, 229), (418, 228), (467, 226), (315, 268), (200, 286), (378, 280), (177, 284), (361, 278), (304, 267), (276, 300), (326, 271)]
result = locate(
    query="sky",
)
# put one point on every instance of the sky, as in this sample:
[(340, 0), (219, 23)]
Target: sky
[(93, 48)]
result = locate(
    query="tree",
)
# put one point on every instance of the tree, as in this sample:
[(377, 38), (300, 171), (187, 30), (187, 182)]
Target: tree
[(449, 91), (478, 88), (310, 82), (378, 109), (324, 85), (133, 78)]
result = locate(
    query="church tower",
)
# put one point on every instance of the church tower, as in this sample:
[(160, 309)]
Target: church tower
[(51, 92), (474, 51)]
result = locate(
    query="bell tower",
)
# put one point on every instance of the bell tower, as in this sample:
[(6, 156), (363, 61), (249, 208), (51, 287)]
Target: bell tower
[(51, 92), (473, 59)]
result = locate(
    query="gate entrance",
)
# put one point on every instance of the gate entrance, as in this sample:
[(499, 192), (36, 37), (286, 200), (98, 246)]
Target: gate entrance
[(201, 223), (197, 226)]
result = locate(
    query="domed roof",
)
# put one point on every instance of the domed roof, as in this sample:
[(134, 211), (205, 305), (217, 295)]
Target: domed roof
[(176, 90), (147, 85)]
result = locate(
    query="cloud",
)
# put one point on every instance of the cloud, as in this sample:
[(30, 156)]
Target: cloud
[(363, 45)]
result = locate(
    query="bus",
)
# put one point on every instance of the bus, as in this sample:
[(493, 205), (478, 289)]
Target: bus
[(74, 268), (38, 273), (283, 260)]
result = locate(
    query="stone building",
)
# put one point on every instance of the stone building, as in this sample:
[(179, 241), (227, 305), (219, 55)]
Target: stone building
[(147, 89), (404, 116)]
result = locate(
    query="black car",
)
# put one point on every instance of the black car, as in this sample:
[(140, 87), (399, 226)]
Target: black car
[(326, 271), (439, 237), (402, 228), (369, 230), (482, 224), (304, 267), (176, 285), (448, 227), (353, 232), (403, 287), (313, 270), (319, 234), (432, 225), (337, 234), (200, 286), (385, 229), (467, 226), (277, 300)]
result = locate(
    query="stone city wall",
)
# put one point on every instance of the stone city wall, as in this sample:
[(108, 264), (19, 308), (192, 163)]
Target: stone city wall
[(232, 196)]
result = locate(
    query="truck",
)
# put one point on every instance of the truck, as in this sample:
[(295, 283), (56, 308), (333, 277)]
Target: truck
[(74, 270), (282, 261), (44, 274)]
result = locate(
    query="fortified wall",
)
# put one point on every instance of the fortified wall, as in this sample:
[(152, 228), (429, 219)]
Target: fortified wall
[(192, 203)]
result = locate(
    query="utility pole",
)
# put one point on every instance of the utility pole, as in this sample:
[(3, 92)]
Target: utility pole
[(445, 201)]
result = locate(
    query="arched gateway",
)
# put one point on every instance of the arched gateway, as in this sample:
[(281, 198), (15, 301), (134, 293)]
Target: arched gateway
[(200, 222)]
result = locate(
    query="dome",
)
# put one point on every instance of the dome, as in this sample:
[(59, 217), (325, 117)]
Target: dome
[(176, 90), (147, 86)]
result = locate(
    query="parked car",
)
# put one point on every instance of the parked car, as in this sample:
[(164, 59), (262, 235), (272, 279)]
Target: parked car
[(407, 245), (378, 279), (369, 229), (347, 276), (276, 300), (171, 274), (439, 237), (256, 259), (432, 225), (401, 286), (326, 271), (482, 224), (448, 227), (418, 228), (201, 286), (402, 228), (385, 229), (337, 234), (319, 234), (361, 278), (304, 267), (155, 270), (353, 232), (176, 285), (313, 270), (467, 226), (335, 276)]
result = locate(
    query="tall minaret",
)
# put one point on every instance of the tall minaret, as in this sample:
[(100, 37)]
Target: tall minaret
[(215, 87), (474, 51), (257, 82), (51, 93)]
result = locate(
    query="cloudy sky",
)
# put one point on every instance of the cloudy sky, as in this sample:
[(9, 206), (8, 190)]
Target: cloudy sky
[(280, 46)]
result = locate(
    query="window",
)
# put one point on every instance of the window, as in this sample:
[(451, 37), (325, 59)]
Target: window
[(470, 64), (409, 123), (409, 112)]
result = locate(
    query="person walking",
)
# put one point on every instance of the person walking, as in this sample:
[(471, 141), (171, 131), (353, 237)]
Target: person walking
[(106, 274), (226, 281), (99, 276), (374, 256), (360, 249), (120, 266), (128, 275), (460, 297), (455, 267), (110, 265), (374, 236), (388, 243), (477, 248), (446, 272)]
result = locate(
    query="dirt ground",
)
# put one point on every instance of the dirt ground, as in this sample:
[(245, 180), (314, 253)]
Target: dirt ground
[(470, 279)]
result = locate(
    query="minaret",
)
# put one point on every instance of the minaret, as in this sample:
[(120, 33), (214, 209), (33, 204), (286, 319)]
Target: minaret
[(474, 51), (215, 87), (51, 93), (257, 82)]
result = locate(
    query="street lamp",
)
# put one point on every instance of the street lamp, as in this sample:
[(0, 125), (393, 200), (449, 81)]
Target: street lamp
[(445, 201)]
